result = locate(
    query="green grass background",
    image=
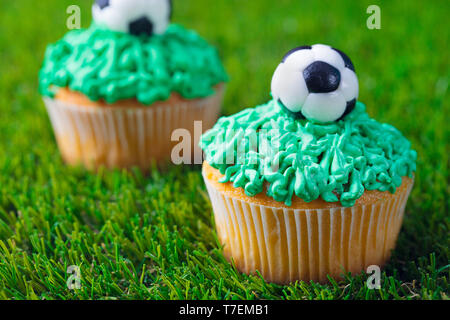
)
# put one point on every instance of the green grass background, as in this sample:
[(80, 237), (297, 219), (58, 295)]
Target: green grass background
[(152, 237)]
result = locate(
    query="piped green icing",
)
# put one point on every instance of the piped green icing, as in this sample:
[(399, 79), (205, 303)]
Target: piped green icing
[(103, 64), (336, 161)]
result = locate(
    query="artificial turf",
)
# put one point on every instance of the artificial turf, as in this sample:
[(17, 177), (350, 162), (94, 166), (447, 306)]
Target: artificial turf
[(152, 237)]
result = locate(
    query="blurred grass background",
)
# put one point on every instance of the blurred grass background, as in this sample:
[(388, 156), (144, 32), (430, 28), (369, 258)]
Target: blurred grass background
[(138, 237)]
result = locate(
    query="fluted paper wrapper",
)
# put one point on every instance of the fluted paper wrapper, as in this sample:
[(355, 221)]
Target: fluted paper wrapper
[(286, 245), (126, 136)]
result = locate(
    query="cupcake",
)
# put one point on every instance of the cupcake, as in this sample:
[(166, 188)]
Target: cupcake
[(115, 92), (308, 185)]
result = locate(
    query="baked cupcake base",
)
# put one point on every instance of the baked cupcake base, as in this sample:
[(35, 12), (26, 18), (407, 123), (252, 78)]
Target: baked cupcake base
[(125, 134), (306, 241)]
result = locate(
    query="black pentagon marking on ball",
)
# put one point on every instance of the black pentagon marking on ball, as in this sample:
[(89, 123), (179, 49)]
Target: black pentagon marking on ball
[(102, 3), (350, 107), (321, 77), (347, 61), (295, 50), (141, 26), (296, 115)]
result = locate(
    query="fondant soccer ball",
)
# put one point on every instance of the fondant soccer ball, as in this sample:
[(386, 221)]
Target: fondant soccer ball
[(133, 16), (316, 82)]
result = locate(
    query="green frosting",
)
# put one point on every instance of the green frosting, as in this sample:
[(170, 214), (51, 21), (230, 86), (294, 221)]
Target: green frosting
[(103, 64), (336, 162)]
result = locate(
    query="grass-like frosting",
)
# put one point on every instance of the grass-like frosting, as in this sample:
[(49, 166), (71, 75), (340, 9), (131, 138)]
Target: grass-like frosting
[(337, 162), (104, 64)]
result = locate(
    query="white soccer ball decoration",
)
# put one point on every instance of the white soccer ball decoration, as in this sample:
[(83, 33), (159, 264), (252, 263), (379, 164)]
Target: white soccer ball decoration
[(138, 17), (317, 83)]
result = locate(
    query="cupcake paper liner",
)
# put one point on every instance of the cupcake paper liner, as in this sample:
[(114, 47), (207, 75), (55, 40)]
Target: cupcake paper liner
[(124, 136), (286, 245)]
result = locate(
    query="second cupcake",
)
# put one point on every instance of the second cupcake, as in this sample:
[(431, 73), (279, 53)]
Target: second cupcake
[(308, 185), (116, 91)]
